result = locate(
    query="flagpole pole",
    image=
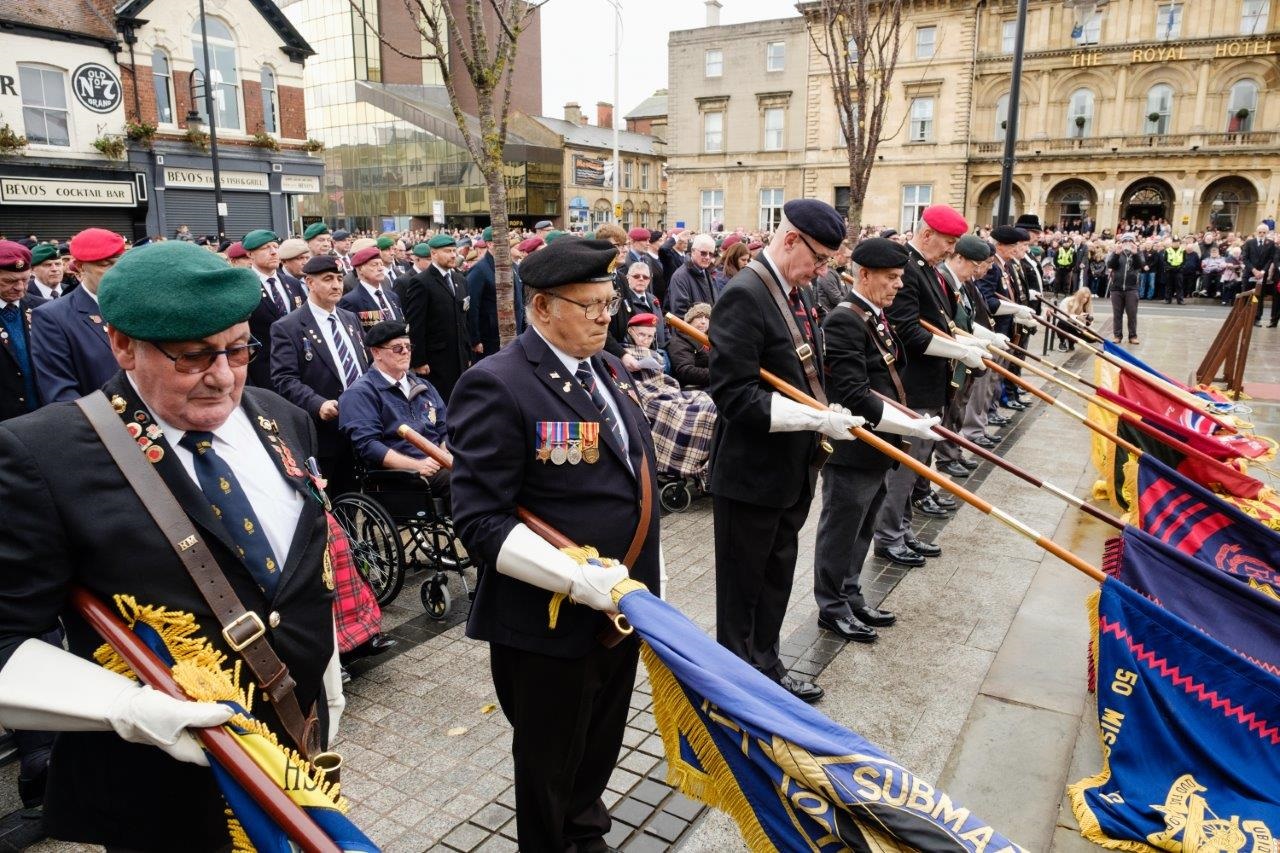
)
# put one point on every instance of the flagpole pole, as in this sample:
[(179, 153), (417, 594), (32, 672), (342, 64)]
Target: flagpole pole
[(1057, 368), (870, 438)]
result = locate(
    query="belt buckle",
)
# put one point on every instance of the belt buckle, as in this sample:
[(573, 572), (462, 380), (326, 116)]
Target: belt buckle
[(259, 630), (805, 352)]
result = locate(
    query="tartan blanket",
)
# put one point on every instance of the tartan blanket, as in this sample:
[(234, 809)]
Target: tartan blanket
[(356, 613), (682, 420)]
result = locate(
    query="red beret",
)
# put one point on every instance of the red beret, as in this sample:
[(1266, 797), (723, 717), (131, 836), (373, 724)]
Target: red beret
[(945, 220), (96, 244), (531, 244), (479, 244), (237, 250), (644, 320), (731, 240), (365, 255), (755, 245), (639, 234), (14, 257)]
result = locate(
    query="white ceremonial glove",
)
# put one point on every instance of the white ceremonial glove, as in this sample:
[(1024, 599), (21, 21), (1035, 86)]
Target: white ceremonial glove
[(786, 415), (1034, 294), (1006, 308), (45, 688), (1001, 341), (940, 347), (335, 699), (990, 336), (528, 557), (900, 423), (973, 358), (1026, 318), (662, 573)]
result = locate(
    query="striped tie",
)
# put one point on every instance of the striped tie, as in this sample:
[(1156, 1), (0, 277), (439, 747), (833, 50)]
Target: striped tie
[(275, 296), (587, 377), (344, 353), (387, 313)]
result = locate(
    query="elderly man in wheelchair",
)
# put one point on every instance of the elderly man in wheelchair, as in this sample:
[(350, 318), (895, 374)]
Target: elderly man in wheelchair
[(402, 510)]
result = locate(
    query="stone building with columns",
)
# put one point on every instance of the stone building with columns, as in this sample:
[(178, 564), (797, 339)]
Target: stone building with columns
[(1147, 109)]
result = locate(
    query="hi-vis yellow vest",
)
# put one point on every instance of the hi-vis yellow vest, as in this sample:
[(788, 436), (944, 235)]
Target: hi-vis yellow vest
[(1066, 256), (1173, 256)]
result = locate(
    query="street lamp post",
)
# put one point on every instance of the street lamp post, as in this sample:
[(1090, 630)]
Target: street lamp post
[(220, 208), (1011, 123), (617, 106)]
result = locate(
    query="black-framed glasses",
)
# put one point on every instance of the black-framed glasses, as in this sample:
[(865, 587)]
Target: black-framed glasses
[(819, 259), (198, 361), (398, 349), (592, 310)]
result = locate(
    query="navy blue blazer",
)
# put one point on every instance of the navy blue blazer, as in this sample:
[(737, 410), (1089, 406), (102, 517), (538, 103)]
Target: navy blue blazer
[(13, 390), (366, 308), (482, 314), (494, 415), (306, 373), (69, 347), (260, 327)]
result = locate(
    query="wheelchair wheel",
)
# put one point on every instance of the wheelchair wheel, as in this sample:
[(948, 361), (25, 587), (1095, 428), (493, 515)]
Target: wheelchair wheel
[(435, 597), (675, 496), (375, 543)]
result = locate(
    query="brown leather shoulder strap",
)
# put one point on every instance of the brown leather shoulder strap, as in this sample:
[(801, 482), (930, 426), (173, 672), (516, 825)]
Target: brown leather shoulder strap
[(888, 357), (646, 513), (242, 629), (801, 346)]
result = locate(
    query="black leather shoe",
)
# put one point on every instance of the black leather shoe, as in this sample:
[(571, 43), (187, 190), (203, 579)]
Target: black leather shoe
[(971, 464), (929, 506), (377, 645), (945, 501), (849, 628), (1013, 405), (876, 618), (995, 437), (346, 676), (924, 549), (955, 469), (984, 442), (997, 420), (805, 691), (902, 555), (1024, 399)]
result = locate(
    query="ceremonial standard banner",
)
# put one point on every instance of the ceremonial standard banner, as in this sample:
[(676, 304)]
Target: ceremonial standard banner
[(1222, 446), (791, 778), (1195, 521), (1157, 399), (1205, 392), (1190, 737)]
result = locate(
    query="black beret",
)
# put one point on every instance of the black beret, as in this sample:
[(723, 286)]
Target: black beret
[(816, 219), (973, 247), (1007, 235), (569, 262), (889, 232), (654, 236), (384, 332), (342, 234), (319, 264), (878, 253)]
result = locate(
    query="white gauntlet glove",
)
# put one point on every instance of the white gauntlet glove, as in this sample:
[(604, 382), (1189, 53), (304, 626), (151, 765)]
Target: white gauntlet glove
[(990, 336), (899, 423), (973, 358), (1026, 318), (528, 557), (45, 688), (940, 347), (786, 415)]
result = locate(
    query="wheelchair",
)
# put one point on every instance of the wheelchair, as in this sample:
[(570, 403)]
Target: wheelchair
[(395, 522)]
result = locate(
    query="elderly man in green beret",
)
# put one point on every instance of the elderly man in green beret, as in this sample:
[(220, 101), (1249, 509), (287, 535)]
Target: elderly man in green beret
[(228, 469), (280, 295), (319, 240), (46, 272), (435, 303)]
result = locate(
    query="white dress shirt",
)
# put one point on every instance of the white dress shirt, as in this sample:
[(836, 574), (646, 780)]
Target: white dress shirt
[(326, 331), (46, 292), (276, 288)]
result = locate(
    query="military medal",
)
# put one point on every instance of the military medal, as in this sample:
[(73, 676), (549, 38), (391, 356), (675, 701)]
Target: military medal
[(559, 454), (575, 444), (591, 442), (431, 415), (118, 403), (544, 445)]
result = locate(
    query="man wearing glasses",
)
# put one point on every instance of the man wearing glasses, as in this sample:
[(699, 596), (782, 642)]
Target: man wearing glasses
[(232, 461), (549, 423), (691, 282)]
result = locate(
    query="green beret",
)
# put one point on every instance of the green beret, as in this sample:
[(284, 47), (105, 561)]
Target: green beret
[(422, 250), (176, 291), (385, 243), (487, 234), (44, 252), (590, 235), (315, 229), (441, 241), (552, 236), (256, 240)]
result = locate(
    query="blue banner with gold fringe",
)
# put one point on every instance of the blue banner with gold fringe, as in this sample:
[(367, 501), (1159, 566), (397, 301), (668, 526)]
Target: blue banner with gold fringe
[(1190, 737), (791, 778)]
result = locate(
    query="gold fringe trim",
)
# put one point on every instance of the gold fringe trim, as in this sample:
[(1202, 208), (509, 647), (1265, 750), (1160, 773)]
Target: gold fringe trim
[(580, 554), (240, 842), (1129, 488)]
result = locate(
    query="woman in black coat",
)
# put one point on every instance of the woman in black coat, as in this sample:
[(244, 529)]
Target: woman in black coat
[(689, 361)]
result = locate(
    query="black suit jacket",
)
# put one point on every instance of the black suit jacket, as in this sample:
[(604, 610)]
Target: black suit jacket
[(13, 391), (855, 367), (101, 788), (925, 378), (493, 432), (437, 318), (260, 327), (749, 332), (359, 302)]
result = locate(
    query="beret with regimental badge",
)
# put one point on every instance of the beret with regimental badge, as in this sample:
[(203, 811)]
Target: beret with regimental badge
[(314, 230), (816, 219), (1007, 235), (973, 247), (14, 257), (258, 238), (421, 250), (293, 247), (236, 251), (945, 220), (385, 243), (441, 241), (362, 257), (569, 262), (321, 264), (43, 253), (385, 332), (96, 244), (880, 253), (174, 291)]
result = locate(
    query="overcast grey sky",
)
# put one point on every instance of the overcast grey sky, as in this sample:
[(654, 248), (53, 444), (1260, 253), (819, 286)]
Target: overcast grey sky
[(577, 46)]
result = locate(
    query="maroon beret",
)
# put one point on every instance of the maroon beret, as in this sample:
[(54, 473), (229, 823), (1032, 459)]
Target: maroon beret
[(365, 255), (644, 320), (531, 244), (96, 244), (945, 220), (639, 234), (731, 240), (14, 257), (237, 250)]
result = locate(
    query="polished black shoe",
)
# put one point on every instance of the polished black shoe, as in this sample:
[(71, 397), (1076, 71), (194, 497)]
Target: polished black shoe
[(873, 617), (805, 691), (924, 549), (997, 420), (929, 506), (902, 555), (971, 464), (945, 501), (995, 437), (1013, 405), (849, 628), (954, 469), (984, 442), (377, 645)]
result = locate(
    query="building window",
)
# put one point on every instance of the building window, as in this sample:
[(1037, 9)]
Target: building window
[(1241, 106), (926, 42), (842, 138), (223, 78), (775, 58), (713, 132), (922, 120), (626, 174), (1008, 36), (714, 63), (1080, 114), (270, 101), (644, 176), (915, 198), (162, 79), (1159, 109), (1254, 18), (774, 118), (1168, 21), (770, 209), (1088, 31), (1002, 115), (44, 105), (712, 213)]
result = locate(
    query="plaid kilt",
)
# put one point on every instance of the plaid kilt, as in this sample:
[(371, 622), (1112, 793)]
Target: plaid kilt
[(356, 613), (681, 420)]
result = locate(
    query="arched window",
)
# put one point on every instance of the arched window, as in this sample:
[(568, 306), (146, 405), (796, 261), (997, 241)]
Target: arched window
[(1159, 108), (224, 79), (1241, 106), (270, 101), (1002, 115), (1080, 114), (162, 78)]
